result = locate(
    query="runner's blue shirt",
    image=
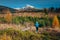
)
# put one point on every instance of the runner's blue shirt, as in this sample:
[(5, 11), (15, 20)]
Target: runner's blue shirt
[(37, 24)]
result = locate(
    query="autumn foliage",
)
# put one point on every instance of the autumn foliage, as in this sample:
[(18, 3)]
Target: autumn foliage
[(5, 37), (8, 16), (55, 22)]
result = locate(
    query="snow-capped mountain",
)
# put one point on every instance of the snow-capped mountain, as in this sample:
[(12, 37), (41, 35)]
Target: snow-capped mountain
[(29, 8), (17, 8), (26, 7)]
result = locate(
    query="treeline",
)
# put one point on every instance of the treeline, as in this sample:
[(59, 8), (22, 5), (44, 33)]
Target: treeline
[(52, 9)]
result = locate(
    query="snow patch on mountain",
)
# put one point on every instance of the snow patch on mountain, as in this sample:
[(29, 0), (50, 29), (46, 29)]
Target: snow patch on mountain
[(28, 6), (17, 8)]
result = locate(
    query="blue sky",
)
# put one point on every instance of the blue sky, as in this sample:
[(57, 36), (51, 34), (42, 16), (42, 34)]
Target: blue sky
[(35, 3)]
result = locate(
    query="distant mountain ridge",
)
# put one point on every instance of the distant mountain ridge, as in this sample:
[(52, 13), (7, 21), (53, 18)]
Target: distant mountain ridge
[(29, 8), (4, 7)]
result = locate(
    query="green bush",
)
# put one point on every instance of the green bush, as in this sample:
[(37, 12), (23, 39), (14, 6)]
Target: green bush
[(45, 21), (2, 19)]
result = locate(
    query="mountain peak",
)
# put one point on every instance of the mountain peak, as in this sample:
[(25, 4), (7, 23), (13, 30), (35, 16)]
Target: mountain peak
[(29, 6)]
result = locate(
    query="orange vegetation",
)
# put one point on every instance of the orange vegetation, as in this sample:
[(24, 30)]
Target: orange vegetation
[(55, 22)]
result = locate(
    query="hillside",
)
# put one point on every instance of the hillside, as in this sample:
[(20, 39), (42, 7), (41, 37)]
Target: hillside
[(4, 7)]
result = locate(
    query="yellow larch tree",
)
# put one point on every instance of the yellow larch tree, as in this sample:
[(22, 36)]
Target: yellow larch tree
[(8, 16), (55, 23)]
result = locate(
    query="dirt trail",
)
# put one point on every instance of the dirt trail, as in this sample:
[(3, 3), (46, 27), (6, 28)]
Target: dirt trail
[(16, 27), (23, 28), (4, 26)]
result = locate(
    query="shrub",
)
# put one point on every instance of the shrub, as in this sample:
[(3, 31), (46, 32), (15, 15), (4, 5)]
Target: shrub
[(8, 16), (11, 34), (5, 37), (55, 22)]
